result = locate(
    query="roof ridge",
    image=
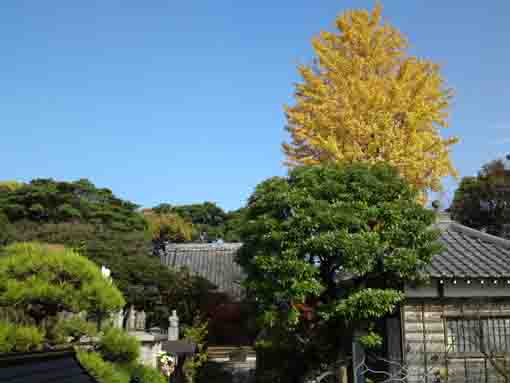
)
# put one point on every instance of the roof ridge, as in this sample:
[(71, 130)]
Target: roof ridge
[(212, 245), (480, 234)]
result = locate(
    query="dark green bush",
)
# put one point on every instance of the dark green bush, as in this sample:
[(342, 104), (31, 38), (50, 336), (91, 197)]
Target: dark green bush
[(145, 374), (104, 372), (119, 347)]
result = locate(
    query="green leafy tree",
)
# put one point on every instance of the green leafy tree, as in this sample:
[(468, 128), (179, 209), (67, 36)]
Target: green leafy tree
[(108, 231), (207, 218), (10, 185), (45, 280), (233, 225), (4, 229), (483, 202), (326, 252), (197, 334), (47, 200), (167, 227)]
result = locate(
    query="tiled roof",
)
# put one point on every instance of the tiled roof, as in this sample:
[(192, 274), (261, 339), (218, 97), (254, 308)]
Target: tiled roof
[(467, 253), (48, 367), (470, 253), (212, 261)]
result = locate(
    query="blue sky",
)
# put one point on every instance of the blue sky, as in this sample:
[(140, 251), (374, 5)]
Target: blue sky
[(181, 101)]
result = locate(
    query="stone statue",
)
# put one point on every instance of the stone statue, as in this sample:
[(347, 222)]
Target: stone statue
[(140, 320), (118, 319), (173, 328), (131, 321)]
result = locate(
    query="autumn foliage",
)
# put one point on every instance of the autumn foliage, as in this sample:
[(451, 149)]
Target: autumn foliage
[(365, 99)]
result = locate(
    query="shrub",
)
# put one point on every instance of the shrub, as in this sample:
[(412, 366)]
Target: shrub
[(198, 335), (73, 328), (103, 371), (5, 341), (145, 374), (28, 338), (44, 280), (19, 338), (117, 346)]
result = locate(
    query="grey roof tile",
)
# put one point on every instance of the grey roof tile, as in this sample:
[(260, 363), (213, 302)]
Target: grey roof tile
[(212, 261), (470, 253)]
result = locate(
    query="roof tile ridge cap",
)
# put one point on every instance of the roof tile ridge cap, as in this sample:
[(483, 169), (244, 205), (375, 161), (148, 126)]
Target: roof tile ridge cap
[(481, 235)]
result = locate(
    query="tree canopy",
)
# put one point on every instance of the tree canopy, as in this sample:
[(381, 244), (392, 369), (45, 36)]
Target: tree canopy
[(210, 222), (43, 280), (366, 99), (483, 202), (340, 241), (50, 201), (168, 227), (107, 230)]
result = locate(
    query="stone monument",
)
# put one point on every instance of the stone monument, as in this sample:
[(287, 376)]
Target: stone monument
[(140, 320), (131, 320), (173, 326)]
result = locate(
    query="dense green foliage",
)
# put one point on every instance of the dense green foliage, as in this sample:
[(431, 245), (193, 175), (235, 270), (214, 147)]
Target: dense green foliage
[(19, 338), (145, 374), (4, 229), (119, 347), (44, 280), (168, 227), (72, 329), (108, 372), (103, 371), (10, 185), (210, 222), (47, 285), (107, 230), (337, 242), (483, 202), (49, 201), (197, 334)]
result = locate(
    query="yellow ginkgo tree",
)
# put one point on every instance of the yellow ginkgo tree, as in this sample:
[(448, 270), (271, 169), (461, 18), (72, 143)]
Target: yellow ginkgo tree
[(366, 99)]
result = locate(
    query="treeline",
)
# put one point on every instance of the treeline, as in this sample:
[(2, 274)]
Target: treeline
[(209, 222), (118, 234)]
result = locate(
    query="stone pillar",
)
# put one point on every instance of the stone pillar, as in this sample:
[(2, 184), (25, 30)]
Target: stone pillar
[(173, 327)]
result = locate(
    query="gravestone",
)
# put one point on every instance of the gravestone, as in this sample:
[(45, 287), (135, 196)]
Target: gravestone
[(173, 326)]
